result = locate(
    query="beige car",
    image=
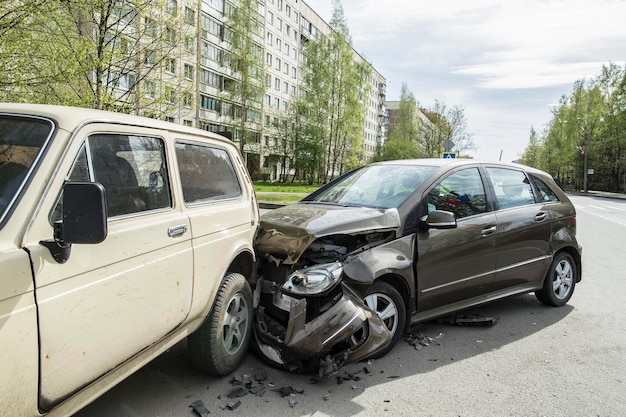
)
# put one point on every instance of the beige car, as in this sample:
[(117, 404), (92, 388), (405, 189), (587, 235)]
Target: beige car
[(119, 237)]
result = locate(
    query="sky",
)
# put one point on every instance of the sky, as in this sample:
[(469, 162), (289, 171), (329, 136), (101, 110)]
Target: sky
[(507, 63)]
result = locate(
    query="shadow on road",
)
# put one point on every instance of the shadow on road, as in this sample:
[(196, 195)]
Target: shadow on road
[(168, 385)]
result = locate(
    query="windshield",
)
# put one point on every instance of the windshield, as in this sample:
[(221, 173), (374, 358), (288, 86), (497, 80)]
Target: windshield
[(21, 142), (383, 186)]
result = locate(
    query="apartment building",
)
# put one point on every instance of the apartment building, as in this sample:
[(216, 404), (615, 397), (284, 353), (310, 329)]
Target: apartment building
[(204, 62)]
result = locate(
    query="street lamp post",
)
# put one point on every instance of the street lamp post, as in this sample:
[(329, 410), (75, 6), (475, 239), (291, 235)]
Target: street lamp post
[(585, 159)]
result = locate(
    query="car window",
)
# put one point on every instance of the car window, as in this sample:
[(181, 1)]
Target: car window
[(511, 187), (206, 173), (461, 193), (545, 192), (383, 186), (132, 169), (21, 142)]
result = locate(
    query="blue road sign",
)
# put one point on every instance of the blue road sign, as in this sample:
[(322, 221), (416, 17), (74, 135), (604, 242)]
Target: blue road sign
[(449, 155)]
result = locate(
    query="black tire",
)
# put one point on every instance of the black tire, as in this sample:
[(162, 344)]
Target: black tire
[(219, 346), (558, 286), (387, 302)]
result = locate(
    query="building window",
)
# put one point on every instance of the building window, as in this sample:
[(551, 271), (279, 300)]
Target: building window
[(288, 10), (187, 100), (277, 83), (150, 59), (170, 65), (294, 72), (279, 24), (188, 123), (286, 48), (280, 4), (277, 102), (286, 68), (278, 44), (210, 78), (172, 6), (268, 80), (277, 64), (190, 15), (190, 44), (150, 27), (270, 18), (210, 103), (149, 88), (270, 39), (189, 71), (268, 59), (285, 87), (170, 95), (268, 99)]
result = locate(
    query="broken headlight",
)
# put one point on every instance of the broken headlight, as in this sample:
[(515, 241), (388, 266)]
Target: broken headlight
[(314, 280)]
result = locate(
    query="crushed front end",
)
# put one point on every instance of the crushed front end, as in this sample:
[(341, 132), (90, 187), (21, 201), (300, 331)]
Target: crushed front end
[(313, 321), (309, 315)]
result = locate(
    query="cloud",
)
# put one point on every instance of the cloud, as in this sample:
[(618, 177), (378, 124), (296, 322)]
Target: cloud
[(505, 62)]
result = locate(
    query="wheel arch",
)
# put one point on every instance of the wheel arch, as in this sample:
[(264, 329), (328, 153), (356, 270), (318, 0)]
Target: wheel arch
[(576, 255), (403, 289)]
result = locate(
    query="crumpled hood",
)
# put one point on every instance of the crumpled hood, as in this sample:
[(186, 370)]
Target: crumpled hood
[(291, 229)]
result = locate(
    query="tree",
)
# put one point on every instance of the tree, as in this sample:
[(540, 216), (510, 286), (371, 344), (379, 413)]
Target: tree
[(98, 53), (445, 124), (587, 132), (246, 36), (334, 84), (405, 134)]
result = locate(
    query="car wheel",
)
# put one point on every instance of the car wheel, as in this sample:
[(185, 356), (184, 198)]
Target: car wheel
[(387, 302), (559, 283), (218, 347)]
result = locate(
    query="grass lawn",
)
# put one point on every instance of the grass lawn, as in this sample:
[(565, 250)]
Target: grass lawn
[(279, 193)]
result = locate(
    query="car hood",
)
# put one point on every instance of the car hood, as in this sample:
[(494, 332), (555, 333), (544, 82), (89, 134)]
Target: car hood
[(289, 230)]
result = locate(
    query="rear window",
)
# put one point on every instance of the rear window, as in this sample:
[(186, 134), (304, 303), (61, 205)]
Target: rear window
[(22, 140), (206, 173)]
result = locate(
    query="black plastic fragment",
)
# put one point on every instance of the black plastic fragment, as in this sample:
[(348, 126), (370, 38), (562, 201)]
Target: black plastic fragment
[(198, 407)]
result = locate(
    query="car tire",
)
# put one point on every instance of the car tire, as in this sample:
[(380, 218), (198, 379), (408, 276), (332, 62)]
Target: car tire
[(219, 346), (387, 302), (558, 286)]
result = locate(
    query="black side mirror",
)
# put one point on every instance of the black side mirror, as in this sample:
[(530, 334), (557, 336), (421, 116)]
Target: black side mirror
[(84, 213), (84, 219), (440, 219)]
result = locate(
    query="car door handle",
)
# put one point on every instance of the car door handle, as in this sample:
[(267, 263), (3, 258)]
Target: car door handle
[(539, 217), (176, 230), (488, 230)]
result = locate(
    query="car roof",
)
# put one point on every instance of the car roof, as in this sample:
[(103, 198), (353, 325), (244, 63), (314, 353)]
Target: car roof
[(70, 118), (456, 162)]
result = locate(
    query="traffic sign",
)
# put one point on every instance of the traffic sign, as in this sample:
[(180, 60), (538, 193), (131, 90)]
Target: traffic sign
[(449, 155)]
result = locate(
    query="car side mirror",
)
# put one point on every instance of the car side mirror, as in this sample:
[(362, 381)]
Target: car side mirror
[(440, 219), (84, 219)]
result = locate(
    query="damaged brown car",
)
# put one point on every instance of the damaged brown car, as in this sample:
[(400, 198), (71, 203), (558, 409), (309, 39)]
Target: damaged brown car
[(347, 270)]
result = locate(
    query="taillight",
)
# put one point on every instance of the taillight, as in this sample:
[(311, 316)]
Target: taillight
[(574, 219)]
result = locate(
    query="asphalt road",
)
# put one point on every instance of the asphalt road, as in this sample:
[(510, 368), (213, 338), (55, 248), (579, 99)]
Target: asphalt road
[(535, 361)]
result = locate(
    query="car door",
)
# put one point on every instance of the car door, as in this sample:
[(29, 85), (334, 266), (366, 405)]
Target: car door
[(524, 228), (459, 263), (110, 300)]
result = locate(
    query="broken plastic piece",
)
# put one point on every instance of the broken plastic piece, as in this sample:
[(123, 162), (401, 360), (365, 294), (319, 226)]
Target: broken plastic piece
[(198, 407), (288, 390)]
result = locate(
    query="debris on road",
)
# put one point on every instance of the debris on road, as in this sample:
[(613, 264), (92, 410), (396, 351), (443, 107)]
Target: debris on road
[(468, 320), (198, 407), (419, 341)]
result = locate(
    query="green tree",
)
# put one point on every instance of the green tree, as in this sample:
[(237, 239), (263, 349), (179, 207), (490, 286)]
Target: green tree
[(97, 53), (334, 83), (245, 34), (405, 134)]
